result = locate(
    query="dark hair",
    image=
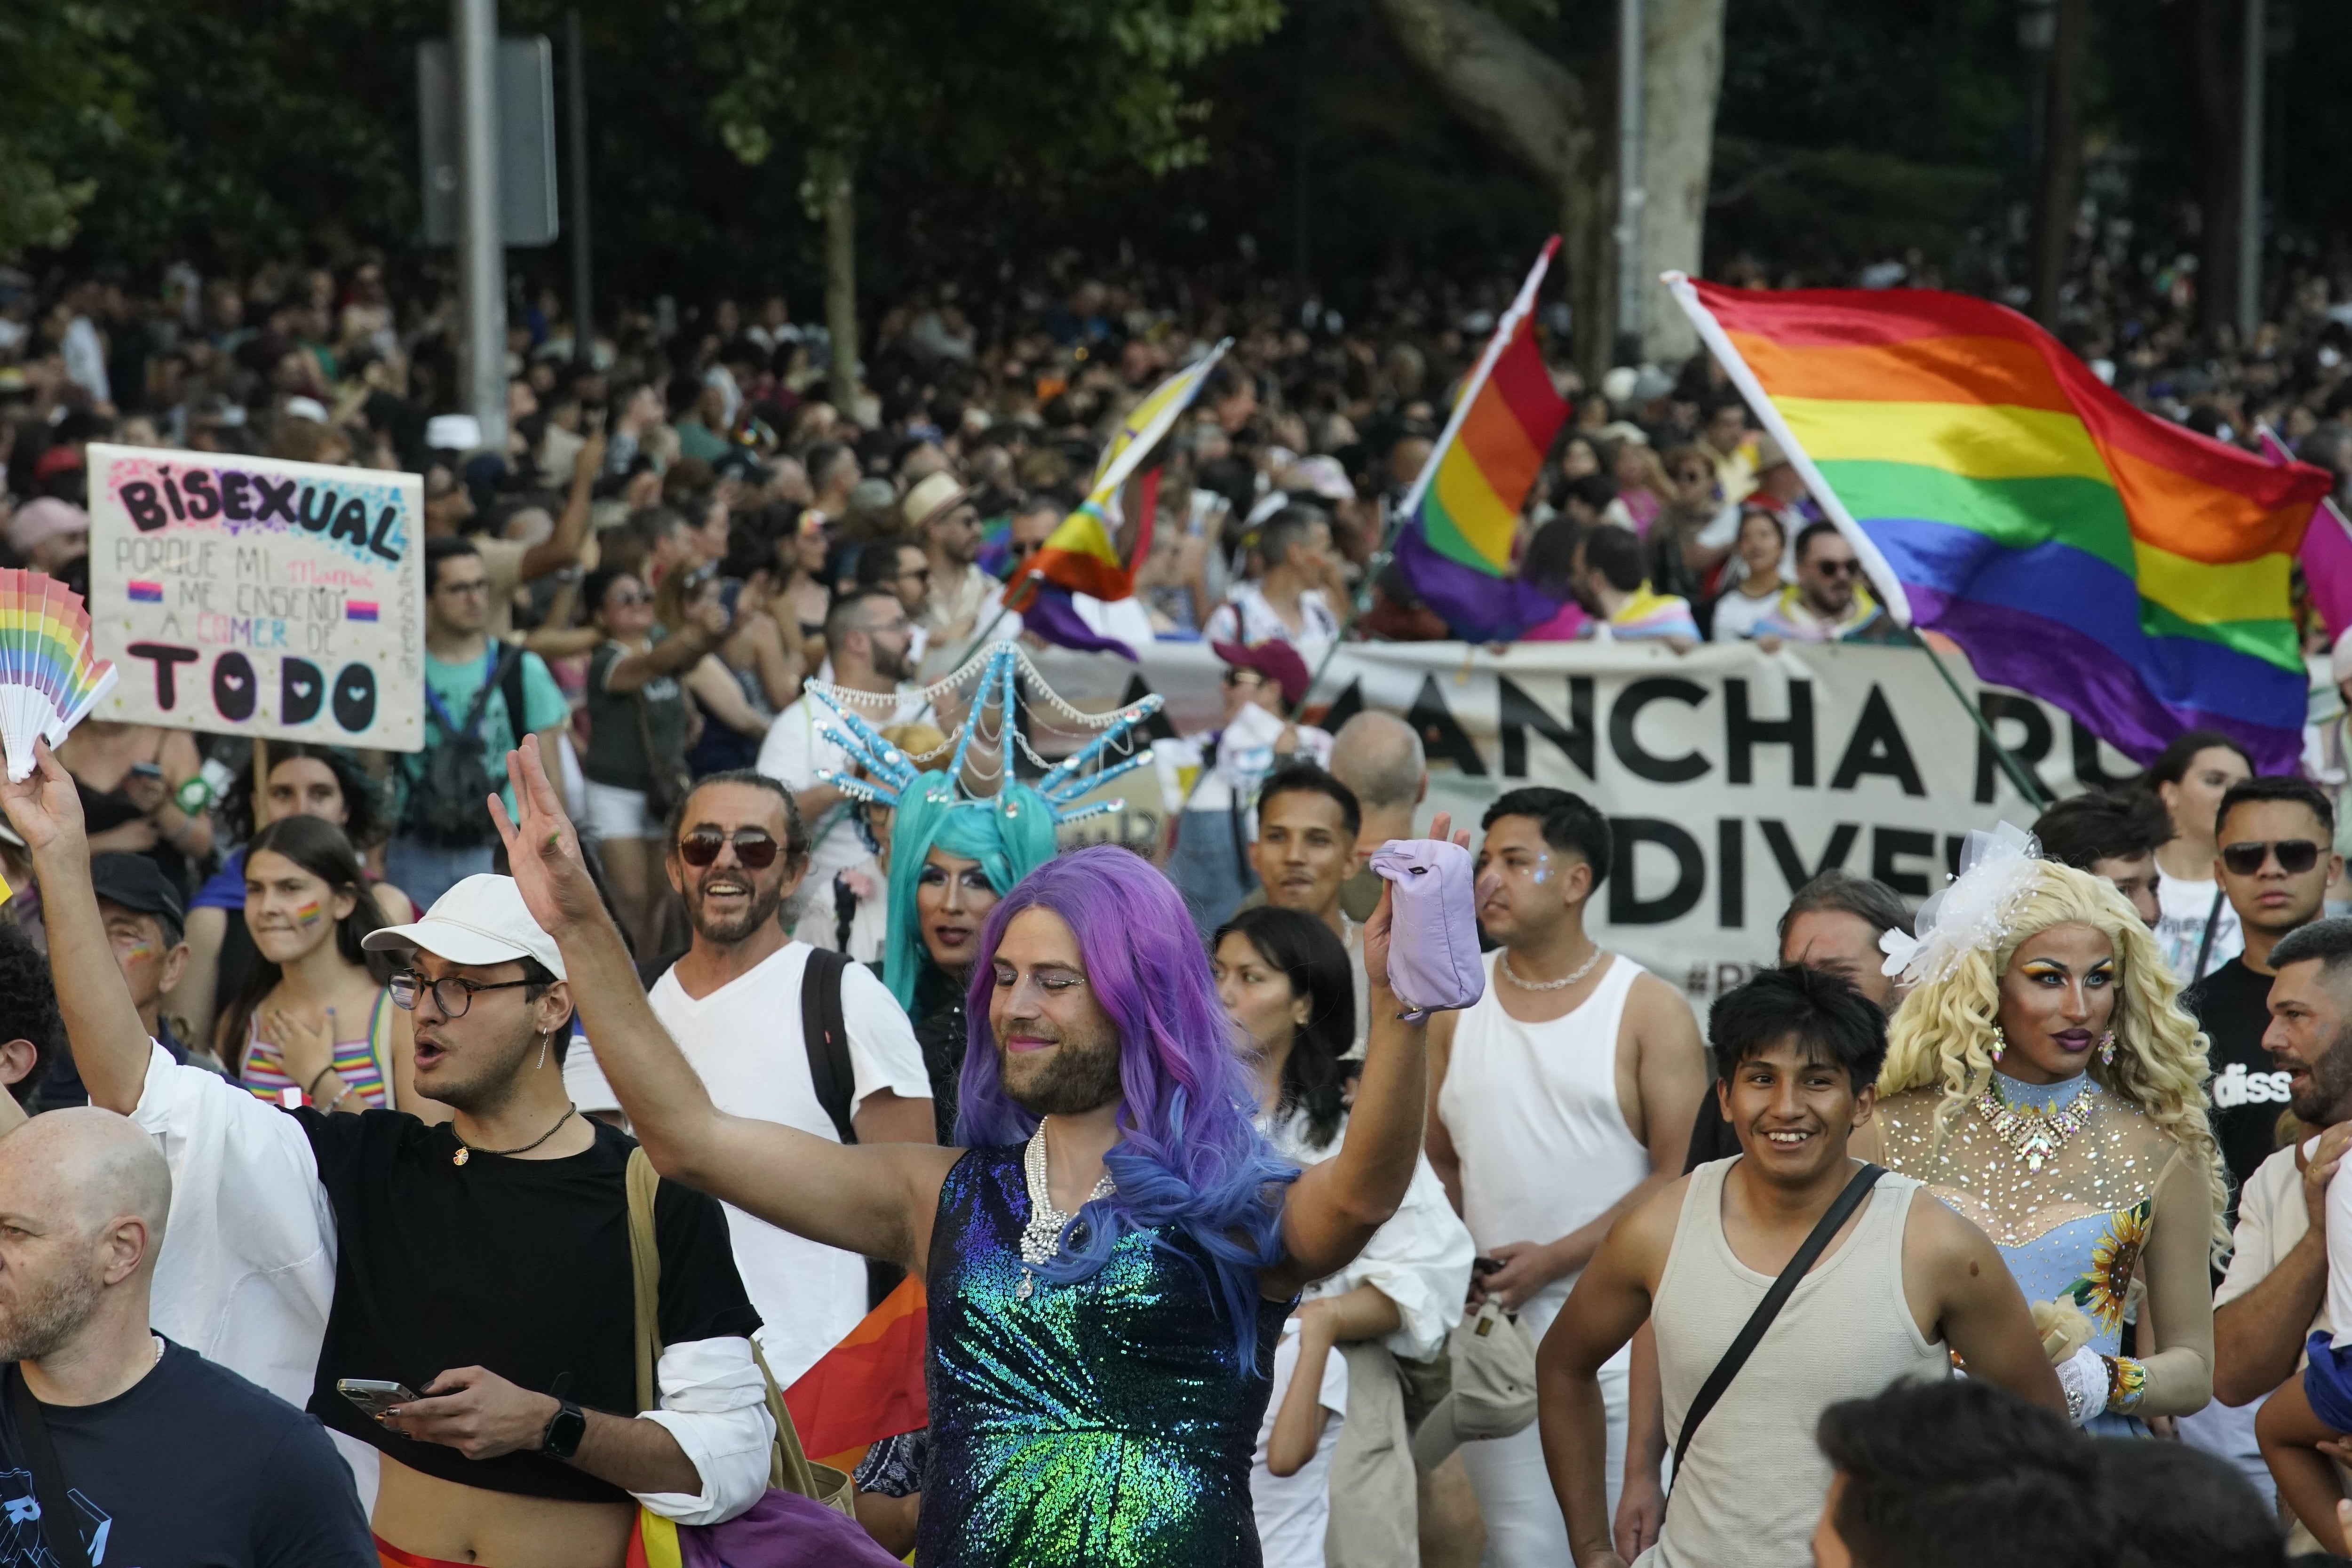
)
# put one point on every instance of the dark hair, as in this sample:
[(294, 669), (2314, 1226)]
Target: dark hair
[(2328, 941), (2084, 829), (1824, 1013), (2279, 786), (843, 609), (654, 523), (1550, 563), (796, 841), (441, 548), (1864, 898), (28, 1004), (879, 563), (1286, 528), (363, 821), (320, 849), (2176, 1506), (821, 458), (598, 584), (1779, 525), (1616, 553), (1305, 778), (1959, 1473), (1810, 532), (1568, 821), (1315, 1078), (2171, 765), (1595, 490)]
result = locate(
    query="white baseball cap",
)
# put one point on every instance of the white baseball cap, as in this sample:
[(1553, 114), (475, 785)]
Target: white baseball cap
[(482, 920)]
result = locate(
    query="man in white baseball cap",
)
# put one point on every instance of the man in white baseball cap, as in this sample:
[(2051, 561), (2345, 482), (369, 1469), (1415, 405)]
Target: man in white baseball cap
[(452, 1299)]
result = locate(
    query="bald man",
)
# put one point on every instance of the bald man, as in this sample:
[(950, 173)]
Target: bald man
[(1378, 756), (168, 1458)]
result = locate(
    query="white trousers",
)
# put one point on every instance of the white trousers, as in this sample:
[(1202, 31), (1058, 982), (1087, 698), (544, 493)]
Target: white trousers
[(1524, 1528)]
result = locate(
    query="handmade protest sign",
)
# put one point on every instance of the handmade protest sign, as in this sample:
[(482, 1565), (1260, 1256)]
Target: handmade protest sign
[(260, 597)]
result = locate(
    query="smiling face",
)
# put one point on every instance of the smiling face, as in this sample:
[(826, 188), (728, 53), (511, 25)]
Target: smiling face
[(952, 898), (305, 786), (1259, 997), (2057, 998), (2197, 796), (627, 610), (1304, 851), (289, 910), (726, 899), (1056, 1050), (1793, 1110)]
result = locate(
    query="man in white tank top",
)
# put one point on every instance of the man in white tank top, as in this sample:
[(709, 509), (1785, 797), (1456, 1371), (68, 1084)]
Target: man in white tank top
[(1564, 1098), (1900, 1287)]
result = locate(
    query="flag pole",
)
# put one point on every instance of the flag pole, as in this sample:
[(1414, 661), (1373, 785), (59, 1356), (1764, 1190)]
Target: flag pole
[(1896, 602), (1410, 506)]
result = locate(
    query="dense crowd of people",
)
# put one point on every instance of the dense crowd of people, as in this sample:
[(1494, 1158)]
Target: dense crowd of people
[(531, 1149)]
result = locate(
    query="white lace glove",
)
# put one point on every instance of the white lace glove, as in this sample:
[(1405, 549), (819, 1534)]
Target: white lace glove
[(2084, 1376)]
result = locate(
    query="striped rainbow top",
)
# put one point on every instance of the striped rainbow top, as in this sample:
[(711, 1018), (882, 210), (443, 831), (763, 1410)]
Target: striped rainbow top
[(363, 1064)]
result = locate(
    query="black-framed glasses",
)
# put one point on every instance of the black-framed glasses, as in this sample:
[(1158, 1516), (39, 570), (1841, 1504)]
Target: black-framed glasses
[(452, 993), (2296, 855), (755, 848)]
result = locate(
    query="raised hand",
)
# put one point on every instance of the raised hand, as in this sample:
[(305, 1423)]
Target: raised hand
[(543, 848), (45, 807)]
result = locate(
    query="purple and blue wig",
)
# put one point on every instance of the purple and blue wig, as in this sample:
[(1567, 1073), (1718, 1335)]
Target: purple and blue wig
[(1191, 1156)]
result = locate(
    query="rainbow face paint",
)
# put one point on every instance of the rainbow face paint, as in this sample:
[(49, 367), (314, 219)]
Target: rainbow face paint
[(306, 915), (136, 949)]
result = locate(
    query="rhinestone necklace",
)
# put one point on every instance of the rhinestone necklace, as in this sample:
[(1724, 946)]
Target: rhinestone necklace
[(2036, 1133), (1041, 1239), (1581, 970)]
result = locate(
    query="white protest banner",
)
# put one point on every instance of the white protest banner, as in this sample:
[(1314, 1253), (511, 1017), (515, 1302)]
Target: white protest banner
[(260, 597), (1731, 775)]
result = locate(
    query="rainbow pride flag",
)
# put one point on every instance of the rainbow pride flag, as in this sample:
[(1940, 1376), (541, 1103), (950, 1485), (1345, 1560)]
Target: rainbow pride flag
[(1462, 514), (870, 1385), (2130, 571)]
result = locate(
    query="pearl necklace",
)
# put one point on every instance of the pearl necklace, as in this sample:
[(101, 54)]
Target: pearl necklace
[(1041, 1239), (1504, 964)]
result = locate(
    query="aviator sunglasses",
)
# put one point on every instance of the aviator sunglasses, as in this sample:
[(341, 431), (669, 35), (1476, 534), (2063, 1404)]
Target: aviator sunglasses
[(753, 848), (2296, 855)]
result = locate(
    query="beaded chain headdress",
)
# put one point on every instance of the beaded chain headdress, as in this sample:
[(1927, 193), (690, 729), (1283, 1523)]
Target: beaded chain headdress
[(1973, 912), (995, 682)]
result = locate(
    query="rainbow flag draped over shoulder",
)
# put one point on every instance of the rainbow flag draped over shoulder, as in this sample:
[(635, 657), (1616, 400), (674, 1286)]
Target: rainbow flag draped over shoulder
[(1079, 557), (1463, 513), (2126, 569), (870, 1385)]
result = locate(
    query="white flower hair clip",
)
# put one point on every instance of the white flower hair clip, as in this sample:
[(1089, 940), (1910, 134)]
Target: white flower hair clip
[(1973, 911)]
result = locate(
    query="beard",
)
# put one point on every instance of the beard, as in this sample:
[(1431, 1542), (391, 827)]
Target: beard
[(2330, 1090), (1082, 1075), (47, 1312), (758, 910)]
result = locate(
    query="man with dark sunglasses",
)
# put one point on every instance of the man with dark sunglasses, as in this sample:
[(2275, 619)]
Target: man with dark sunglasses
[(1829, 602), (2276, 837), (735, 1005)]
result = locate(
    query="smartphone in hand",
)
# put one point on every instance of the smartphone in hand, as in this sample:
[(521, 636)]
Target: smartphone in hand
[(373, 1397)]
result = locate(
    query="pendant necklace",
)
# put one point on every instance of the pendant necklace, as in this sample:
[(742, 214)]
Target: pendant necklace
[(1581, 970), (2035, 1133), (466, 1151), (1041, 1239)]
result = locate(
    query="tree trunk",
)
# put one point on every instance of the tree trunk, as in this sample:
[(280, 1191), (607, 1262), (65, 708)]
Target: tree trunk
[(838, 195), (2058, 197), (2217, 42), (1682, 75)]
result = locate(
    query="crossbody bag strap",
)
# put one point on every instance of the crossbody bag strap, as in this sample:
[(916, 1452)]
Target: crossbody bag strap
[(50, 1490), (644, 1266), (2205, 943), (1751, 1333)]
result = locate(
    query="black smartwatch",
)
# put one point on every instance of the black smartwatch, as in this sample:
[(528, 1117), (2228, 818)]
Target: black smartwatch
[(564, 1430)]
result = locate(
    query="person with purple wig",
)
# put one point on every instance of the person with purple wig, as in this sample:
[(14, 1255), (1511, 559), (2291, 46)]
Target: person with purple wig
[(1110, 1258)]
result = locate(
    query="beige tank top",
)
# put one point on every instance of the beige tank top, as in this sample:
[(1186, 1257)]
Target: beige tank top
[(1754, 1479)]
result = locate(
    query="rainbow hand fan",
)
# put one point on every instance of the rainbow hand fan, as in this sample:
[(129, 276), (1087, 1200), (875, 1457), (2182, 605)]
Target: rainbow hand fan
[(50, 680)]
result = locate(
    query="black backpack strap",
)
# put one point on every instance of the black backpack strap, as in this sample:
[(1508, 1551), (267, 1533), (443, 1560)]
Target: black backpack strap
[(511, 686), (50, 1490), (1751, 1333), (2205, 943), (825, 1034)]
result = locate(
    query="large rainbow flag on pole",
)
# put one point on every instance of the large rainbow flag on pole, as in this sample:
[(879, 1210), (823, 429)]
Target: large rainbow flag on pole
[(1463, 513), (2126, 569)]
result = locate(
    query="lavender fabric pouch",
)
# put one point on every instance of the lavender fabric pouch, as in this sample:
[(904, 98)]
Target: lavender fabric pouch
[(1433, 962)]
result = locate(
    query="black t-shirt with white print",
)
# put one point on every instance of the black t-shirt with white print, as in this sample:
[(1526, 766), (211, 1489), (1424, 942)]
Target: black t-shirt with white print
[(519, 1266), (2232, 1005)]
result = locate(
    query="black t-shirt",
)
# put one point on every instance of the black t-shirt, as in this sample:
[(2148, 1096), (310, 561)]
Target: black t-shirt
[(191, 1466), (2232, 1005), (519, 1266)]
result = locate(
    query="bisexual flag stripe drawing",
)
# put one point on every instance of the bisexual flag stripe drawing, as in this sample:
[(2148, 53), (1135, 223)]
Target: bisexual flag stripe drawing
[(357, 610), (1462, 515), (2075, 547), (146, 593)]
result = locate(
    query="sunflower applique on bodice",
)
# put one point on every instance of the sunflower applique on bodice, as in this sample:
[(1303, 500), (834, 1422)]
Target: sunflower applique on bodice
[(2061, 1176)]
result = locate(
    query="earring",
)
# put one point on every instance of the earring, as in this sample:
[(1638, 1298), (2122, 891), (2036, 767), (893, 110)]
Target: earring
[(543, 1040), (2000, 1042), (2107, 1049)]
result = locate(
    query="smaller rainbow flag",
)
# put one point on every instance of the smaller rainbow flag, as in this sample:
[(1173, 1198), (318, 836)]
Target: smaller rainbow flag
[(2122, 567), (870, 1385), (357, 610), (1462, 515), (146, 593)]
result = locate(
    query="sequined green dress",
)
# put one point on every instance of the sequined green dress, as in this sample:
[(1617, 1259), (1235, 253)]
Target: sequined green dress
[(1106, 1423)]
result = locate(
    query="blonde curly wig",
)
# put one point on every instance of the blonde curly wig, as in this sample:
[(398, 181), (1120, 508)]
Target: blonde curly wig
[(1942, 1031)]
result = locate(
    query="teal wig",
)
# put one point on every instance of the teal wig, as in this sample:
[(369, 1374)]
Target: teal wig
[(1010, 836)]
